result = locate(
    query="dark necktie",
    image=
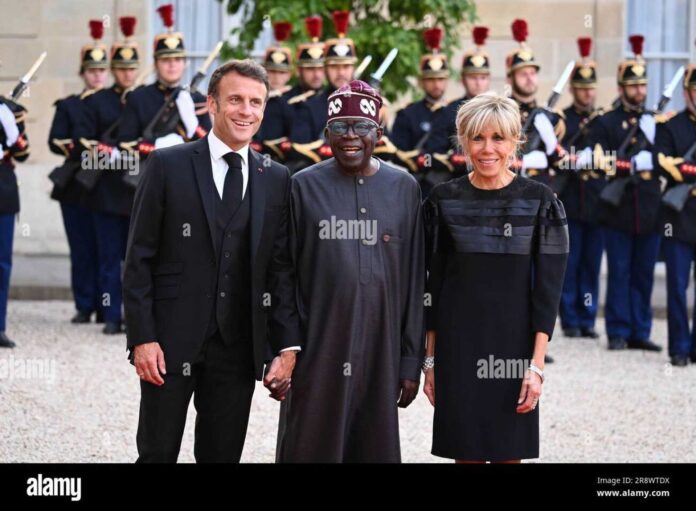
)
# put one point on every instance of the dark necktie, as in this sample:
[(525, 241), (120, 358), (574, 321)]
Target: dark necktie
[(232, 189)]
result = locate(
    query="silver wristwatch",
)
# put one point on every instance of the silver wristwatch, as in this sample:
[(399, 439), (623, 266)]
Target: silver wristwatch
[(428, 363)]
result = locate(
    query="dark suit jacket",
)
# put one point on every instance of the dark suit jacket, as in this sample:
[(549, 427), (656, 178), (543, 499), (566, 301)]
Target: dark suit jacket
[(172, 266)]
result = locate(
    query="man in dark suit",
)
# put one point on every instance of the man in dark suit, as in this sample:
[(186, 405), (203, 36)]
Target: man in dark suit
[(209, 287)]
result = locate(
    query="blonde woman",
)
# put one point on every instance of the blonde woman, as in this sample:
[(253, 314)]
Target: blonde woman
[(498, 245)]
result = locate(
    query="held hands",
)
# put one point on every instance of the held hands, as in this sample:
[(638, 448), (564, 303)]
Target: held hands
[(149, 362), (187, 112), (409, 390), (9, 125), (529, 393), (278, 378), (546, 132)]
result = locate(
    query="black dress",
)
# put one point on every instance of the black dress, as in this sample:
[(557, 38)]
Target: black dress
[(496, 260)]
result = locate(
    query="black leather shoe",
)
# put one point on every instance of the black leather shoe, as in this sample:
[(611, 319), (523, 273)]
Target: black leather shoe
[(81, 318), (678, 360), (646, 345), (5, 341), (617, 343), (548, 359), (589, 332), (693, 359), (572, 332), (112, 327)]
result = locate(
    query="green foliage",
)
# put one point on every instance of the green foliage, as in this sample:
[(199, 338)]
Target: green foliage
[(376, 27)]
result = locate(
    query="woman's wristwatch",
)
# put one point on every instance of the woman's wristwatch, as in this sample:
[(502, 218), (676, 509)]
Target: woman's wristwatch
[(535, 369), (428, 363)]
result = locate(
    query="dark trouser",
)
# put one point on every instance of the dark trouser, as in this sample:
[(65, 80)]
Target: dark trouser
[(222, 383), (581, 286), (631, 259), (112, 236), (6, 238), (678, 258), (82, 239)]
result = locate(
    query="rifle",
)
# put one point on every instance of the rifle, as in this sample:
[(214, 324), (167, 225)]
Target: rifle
[(676, 197), (62, 174), (561, 179), (361, 68), (533, 140), (376, 77), (19, 89), (614, 191), (167, 117), (88, 178)]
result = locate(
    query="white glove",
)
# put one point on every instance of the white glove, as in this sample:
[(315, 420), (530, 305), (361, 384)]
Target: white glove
[(545, 128), (584, 159), (168, 141), (643, 161), (534, 160), (647, 126), (9, 125), (187, 112), (115, 156)]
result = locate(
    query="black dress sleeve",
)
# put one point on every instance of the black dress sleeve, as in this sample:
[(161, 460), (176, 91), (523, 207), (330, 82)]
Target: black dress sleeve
[(550, 258), (435, 258)]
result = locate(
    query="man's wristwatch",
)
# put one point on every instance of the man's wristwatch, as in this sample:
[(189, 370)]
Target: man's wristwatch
[(428, 363)]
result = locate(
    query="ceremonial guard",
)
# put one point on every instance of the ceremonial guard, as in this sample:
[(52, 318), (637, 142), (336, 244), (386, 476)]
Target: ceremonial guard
[(78, 219), (278, 64), (630, 203), (15, 147), (340, 57), (164, 113), (476, 78), (310, 65), (109, 197), (579, 192), (675, 154), (445, 160), (543, 128), (414, 124)]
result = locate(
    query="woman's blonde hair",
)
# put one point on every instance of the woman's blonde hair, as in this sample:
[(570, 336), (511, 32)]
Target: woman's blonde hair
[(489, 110)]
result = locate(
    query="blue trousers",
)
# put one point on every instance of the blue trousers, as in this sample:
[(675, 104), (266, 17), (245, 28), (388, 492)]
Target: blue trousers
[(112, 236), (580, 295), (678, 258), (631, 259), (6, 238), (82, 239)]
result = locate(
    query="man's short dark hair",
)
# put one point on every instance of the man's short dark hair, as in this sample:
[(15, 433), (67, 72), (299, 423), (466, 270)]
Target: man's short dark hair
[(246, 67)]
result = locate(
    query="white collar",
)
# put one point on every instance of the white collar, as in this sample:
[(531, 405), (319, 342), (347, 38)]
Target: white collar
[(218, 148)]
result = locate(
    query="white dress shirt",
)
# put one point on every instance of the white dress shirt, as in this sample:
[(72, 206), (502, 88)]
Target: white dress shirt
[(218, 149)]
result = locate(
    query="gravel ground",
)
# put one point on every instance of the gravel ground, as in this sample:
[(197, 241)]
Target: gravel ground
[(81, 402)]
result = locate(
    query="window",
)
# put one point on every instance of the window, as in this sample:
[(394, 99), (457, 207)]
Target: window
[(669, 27)]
